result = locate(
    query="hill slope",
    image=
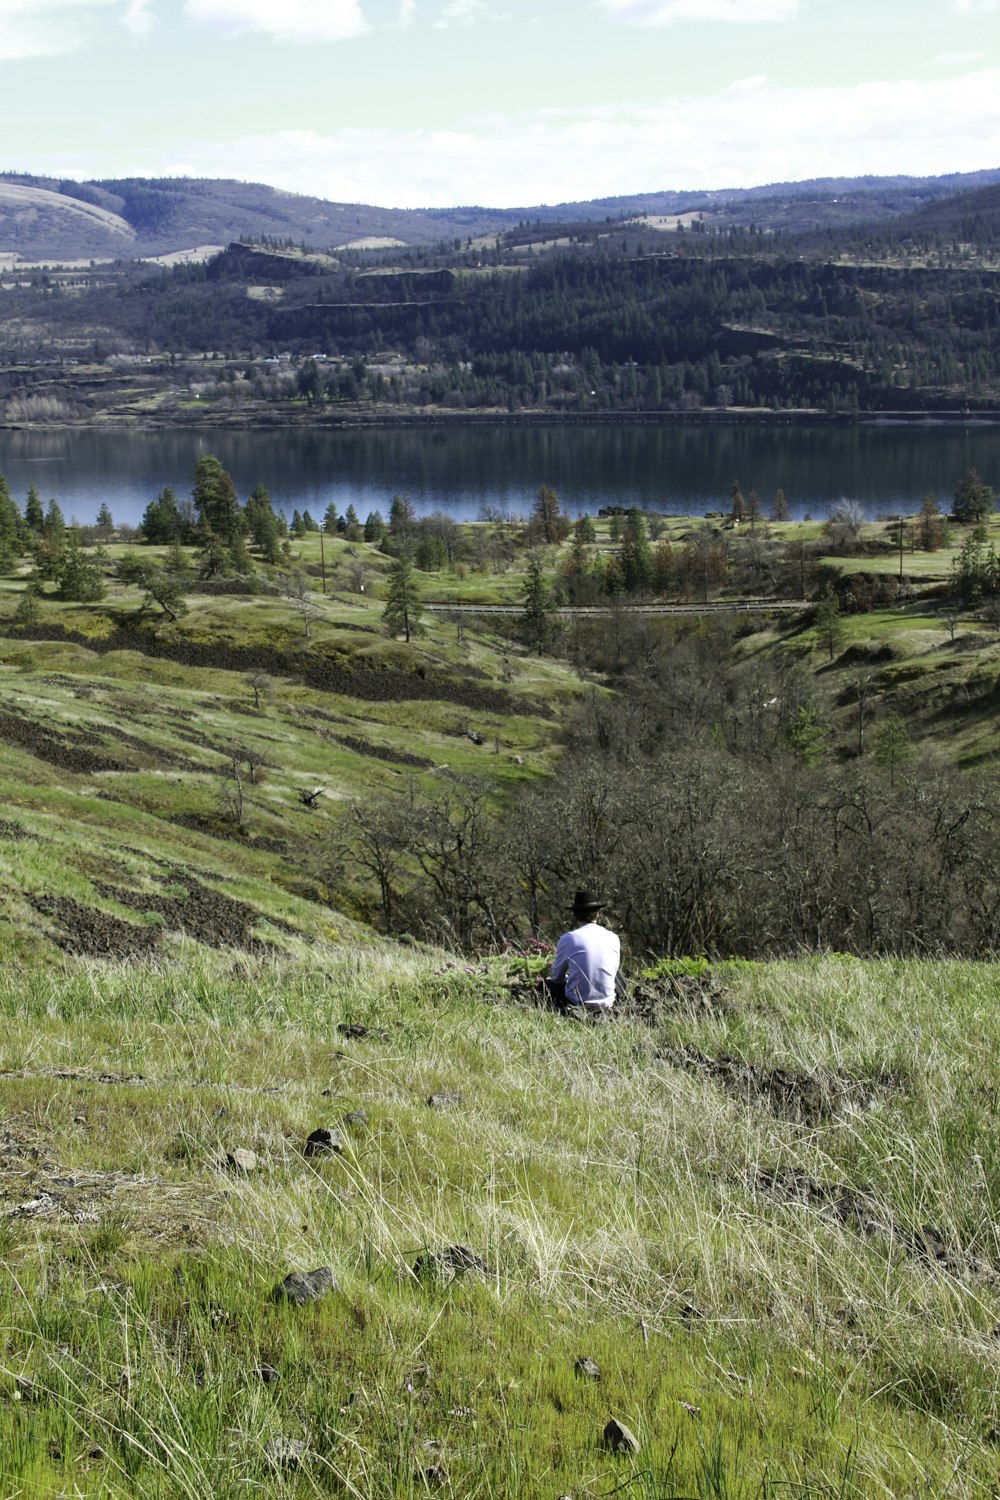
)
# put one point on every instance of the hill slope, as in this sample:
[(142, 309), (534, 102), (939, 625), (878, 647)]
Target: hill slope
[(49, 220)]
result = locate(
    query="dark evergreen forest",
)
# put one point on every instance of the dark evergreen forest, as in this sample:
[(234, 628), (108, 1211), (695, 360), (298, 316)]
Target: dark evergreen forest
[(889, 318)]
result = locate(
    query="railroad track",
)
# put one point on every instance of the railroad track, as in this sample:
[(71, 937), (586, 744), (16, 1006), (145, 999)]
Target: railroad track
[(715, 607)]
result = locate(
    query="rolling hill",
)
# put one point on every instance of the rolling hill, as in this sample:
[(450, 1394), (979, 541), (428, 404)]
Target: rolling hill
[(47, 219)]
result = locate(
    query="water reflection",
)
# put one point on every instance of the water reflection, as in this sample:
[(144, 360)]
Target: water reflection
[(674, 468)]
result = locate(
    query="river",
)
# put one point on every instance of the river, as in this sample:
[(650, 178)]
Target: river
[(675, 468)]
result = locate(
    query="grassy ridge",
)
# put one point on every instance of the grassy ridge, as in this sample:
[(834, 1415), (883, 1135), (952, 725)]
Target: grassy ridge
[(785, 1293), (770, 1218)]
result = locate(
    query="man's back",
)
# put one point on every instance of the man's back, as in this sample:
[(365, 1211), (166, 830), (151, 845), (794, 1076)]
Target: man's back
[(588, 958)]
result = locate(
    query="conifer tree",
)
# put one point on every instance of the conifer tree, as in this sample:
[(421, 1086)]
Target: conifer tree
[(974, 500), (34, 514), (10, 526), (161, 521), (263, 524), (402, 602), (79, 578), (536, 615), (215, 499)]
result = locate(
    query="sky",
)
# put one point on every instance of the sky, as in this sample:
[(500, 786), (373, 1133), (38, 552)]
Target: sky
[(503, 103)]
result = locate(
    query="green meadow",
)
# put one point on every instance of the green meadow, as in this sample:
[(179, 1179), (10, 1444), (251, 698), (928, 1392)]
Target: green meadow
[(765, 1212)]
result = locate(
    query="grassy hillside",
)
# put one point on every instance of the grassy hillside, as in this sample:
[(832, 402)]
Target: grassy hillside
[(753, 1219), (154, 773), (769, 1219), (129, 743)]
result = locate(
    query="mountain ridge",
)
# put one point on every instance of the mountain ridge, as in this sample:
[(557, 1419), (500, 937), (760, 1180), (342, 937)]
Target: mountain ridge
[(45, 218)]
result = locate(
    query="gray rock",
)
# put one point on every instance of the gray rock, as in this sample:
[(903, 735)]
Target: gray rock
[(356, 1030), (588, 1367), (325, 1141), (241, 1160), (445, 1265), (355, 1117), (268, 1374), (306, 1286), (444, 1100), (620, 1439)]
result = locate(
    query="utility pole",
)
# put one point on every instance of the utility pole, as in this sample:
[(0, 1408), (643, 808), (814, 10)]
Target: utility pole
[(322, 560)]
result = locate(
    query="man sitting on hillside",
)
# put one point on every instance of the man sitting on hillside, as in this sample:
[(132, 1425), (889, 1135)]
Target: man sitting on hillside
[(584, 975)]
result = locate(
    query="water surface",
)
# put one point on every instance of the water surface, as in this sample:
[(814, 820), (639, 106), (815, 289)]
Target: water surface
[(675, 468)]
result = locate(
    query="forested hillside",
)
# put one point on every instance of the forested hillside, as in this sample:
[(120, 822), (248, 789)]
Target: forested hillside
[(731, 322)]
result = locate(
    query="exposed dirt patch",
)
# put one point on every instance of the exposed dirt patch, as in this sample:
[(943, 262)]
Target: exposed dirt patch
[(13, 831), (860, 1208), (156, 754), (650, 1000), (55, 750), (382, 752), (646, 1000), (207, 916), (94, 934), (214, 829), (34, 1186), (388, 685), (806, 1097)]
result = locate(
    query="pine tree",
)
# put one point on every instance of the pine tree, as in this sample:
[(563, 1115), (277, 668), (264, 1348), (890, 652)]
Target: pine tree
[(10, 528), (54, 526), (402, 602), (161, 521), (401, 517), (34, 515), (536, 616), (547, 523), (635, 558), (78, 577), (374, 526), (263, 524), (829, 625), (215, 499), (974, 500)]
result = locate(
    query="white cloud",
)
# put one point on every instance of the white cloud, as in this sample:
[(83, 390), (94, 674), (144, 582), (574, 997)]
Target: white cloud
[(138, 17), (958, 59), (407, 10), (974, 7), (460, 12), (739, 138), (284, 20), (40, 28), (746, 85), (667, 12)]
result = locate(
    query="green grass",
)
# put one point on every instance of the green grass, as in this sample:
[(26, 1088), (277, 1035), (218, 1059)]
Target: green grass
[(167, 728), (756, 1343), (782, 1302)]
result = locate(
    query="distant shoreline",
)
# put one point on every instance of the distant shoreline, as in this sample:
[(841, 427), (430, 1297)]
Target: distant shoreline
[(266, 416)]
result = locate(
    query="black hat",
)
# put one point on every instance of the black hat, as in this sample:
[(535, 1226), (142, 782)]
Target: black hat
[(587, 901)]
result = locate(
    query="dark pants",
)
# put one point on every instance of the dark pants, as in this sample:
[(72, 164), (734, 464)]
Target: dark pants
[(553, 994)]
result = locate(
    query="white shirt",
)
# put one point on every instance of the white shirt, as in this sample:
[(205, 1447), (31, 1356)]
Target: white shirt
[(588, 959)]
